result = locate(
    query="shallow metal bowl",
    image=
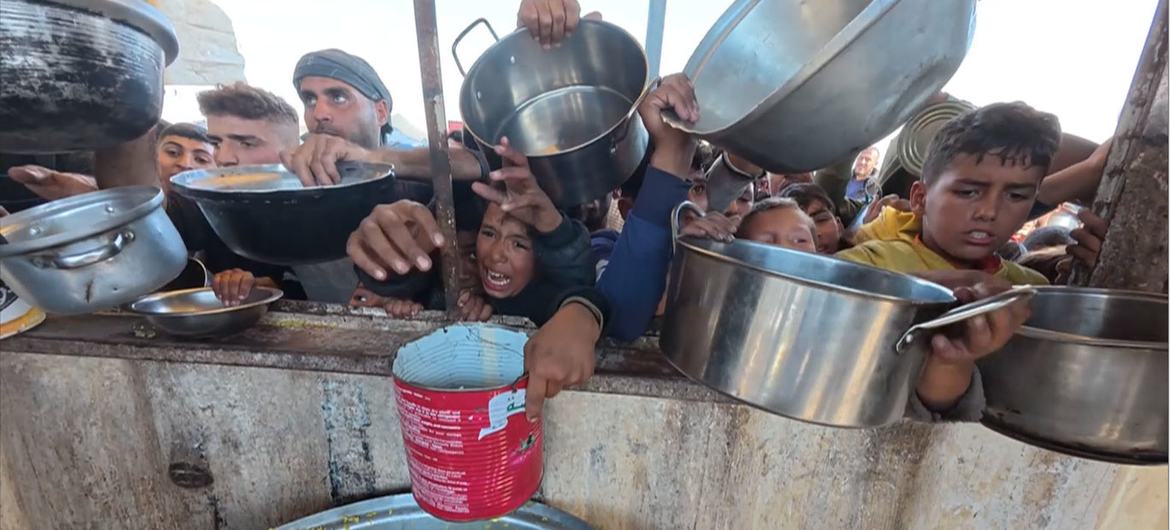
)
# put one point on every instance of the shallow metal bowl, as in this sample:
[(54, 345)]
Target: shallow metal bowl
[(198, 313)]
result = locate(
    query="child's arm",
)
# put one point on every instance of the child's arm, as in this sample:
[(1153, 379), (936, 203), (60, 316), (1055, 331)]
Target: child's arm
[(949, 387), (562, 352)]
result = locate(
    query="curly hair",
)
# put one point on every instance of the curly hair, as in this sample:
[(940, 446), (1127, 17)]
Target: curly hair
[(1014, 132), (248, 102)]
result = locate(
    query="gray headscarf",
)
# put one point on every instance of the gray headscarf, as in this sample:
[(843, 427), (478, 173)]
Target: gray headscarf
[(349, 69)]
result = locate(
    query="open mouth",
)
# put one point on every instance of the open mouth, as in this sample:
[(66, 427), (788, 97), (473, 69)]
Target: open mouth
[(980, 237), (496, 281)]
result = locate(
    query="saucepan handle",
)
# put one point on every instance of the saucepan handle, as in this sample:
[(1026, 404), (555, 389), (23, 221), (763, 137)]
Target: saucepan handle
[(89, 257), (455, 45), (964, 312), (676, 217)]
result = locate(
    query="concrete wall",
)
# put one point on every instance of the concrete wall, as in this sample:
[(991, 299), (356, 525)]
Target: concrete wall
[(87, 442)]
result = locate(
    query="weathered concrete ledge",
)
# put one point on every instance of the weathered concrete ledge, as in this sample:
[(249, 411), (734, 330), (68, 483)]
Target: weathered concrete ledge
[(332, 338)]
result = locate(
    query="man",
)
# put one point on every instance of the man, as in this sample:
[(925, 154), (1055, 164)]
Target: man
[(250, 126), (864, 170), (347, 112)]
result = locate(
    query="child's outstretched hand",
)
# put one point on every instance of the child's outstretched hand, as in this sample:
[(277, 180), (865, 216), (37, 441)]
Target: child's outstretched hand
[(714, 226), (398, 236), (522, 198), (473, 308), (559, 354)]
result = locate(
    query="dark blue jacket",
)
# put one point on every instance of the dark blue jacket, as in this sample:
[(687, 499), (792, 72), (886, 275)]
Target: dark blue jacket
[(635, 277)]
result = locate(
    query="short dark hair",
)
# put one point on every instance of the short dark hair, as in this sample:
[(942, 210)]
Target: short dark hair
[(705, 156), (248, 102), (186, 130), (1048, 236), (1014, 132), (804, 193)]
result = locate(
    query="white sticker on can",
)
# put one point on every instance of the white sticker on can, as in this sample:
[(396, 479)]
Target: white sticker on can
[(500, 408)]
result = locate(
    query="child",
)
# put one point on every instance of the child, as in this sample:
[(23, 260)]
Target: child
[(779, 222), (816, 203), (528, 255), (979, 181)]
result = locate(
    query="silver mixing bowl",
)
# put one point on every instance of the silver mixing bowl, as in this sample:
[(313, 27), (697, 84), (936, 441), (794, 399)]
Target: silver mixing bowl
[(198, 313)]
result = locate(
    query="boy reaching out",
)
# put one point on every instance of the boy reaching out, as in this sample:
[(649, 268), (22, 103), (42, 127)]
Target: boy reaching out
[(979, 182)]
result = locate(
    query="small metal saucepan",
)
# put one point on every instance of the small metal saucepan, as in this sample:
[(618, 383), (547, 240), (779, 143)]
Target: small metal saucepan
[(807, 336), (198, 313), (1086, 376)]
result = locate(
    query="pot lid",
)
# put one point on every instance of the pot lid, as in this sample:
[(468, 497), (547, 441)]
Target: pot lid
[(136, 13), (74, 218)]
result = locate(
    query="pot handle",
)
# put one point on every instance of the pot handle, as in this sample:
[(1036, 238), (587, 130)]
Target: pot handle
[(964, 312), (618, 137), (676, 218), (89, 257), (455, 45)]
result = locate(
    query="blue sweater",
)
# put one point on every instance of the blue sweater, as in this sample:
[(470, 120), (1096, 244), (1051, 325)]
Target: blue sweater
[(635, 277)]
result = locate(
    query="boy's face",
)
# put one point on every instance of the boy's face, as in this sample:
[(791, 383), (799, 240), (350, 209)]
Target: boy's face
[(828, 230), (504, 251), (970, 210), (783, 227)]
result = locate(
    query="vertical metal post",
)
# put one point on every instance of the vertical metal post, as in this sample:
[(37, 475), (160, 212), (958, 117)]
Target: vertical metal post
[(426, 28), (655, 22)]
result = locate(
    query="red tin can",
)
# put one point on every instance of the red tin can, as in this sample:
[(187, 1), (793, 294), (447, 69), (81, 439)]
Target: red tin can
[(471, 451)]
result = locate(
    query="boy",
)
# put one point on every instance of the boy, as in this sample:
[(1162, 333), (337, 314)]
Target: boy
[(780, 222), (978, 184), (979, 181)]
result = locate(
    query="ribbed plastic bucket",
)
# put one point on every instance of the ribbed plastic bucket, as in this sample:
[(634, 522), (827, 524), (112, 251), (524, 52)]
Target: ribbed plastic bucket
[(471, 451)]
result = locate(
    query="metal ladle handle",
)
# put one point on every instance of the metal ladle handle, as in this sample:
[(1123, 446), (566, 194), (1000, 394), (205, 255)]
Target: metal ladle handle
[(455, 45), (965, 312)]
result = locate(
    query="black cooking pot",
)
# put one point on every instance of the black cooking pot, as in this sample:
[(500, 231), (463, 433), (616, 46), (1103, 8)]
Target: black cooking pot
[(264, 213), (80, 74)]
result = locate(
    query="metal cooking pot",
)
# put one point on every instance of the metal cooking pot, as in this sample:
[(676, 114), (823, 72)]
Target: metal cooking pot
[(264, 213), (198, 313), (80, 74), (803, 335), (92, 251), (1086, 376), (572, 110), (795, 86)]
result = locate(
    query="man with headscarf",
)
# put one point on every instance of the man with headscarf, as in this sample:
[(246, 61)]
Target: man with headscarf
[(347, 112)]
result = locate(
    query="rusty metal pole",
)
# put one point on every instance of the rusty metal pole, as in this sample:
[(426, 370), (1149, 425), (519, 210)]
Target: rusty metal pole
[(426, 28)]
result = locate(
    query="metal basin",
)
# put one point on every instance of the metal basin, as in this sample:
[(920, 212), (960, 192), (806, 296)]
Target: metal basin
[(572, 110), (401, 512), (80, 74), (198, 313), (92, 251), (1086, 376), (796, 86), (264, 213), (803, 335)]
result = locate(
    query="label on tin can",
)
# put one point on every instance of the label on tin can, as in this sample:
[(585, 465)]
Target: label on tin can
[(500, 407)]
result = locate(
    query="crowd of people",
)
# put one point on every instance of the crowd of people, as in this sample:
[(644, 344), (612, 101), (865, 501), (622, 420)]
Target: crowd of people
[(601, 269)]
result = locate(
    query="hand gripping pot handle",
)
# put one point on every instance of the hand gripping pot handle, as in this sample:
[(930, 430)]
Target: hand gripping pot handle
[(89, 257), (462, 34), (965, 312)]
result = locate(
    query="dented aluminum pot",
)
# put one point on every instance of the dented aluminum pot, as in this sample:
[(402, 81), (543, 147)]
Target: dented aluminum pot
[(80, 74), (92, 251)]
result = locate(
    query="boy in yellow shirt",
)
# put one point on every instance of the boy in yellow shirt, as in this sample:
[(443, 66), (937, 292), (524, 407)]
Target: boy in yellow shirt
[(979, 181), (978, 184)]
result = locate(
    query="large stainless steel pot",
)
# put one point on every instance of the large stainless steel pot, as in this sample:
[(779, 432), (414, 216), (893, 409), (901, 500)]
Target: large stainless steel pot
[(264, 213), (80, 74), (803, 335), (91, 251), (572, 110), (796, 86), (1086, 376)]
